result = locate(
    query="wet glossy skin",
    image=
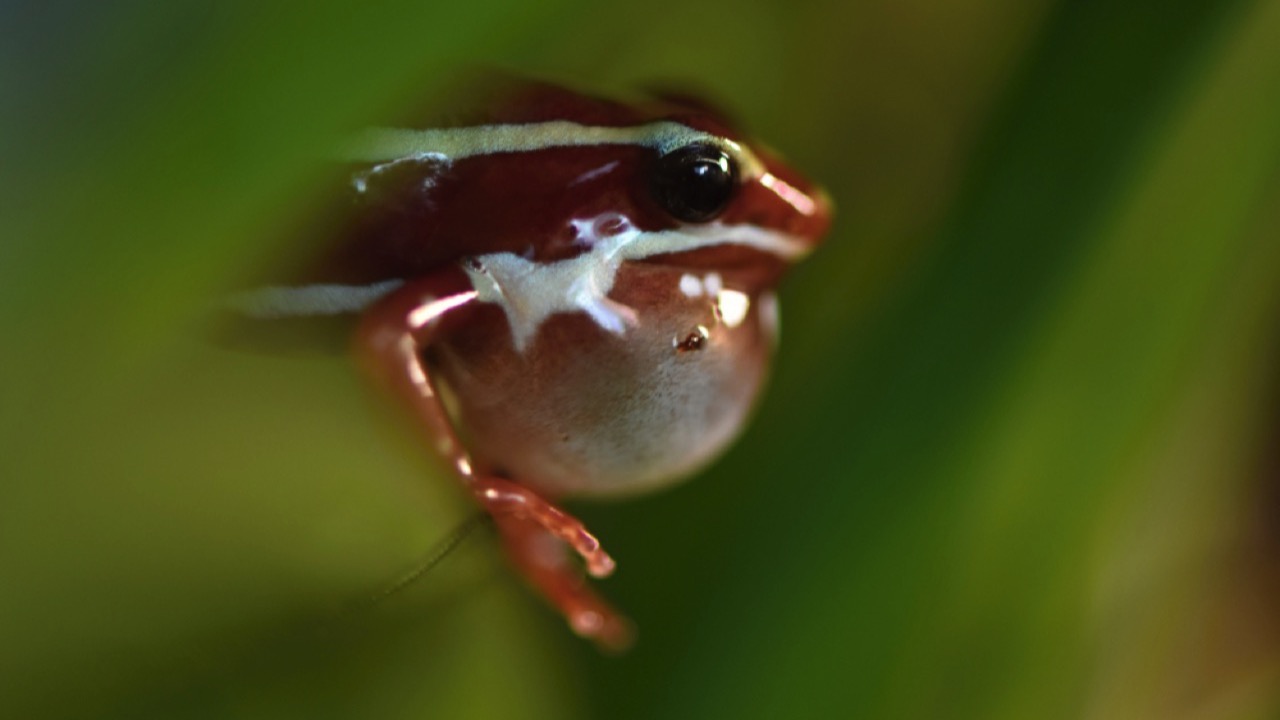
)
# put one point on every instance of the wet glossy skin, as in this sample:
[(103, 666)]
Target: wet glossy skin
[(522, 270)]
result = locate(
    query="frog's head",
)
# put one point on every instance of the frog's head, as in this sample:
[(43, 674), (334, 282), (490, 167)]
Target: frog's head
[(711, 180), (546, 173)]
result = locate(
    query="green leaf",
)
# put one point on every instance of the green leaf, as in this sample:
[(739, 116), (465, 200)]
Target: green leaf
[(1010, 465)]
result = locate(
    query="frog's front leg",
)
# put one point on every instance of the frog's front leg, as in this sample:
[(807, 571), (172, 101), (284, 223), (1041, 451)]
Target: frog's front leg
[(390, 341), (540, 557)]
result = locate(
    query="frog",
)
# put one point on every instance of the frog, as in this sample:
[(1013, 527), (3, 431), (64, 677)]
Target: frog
[(569, 296)]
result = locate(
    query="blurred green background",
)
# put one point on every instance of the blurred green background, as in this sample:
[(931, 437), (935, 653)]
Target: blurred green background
[(1019, 458)]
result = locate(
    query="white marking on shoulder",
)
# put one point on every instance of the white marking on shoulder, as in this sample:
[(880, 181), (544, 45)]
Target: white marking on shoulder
[(275, 302), (529, 292), (382, 145)]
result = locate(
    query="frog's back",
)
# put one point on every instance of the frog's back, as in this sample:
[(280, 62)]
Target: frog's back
[(389, 218)]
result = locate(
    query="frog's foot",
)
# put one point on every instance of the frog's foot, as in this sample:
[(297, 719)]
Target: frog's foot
[(535, 534), (503, 498)]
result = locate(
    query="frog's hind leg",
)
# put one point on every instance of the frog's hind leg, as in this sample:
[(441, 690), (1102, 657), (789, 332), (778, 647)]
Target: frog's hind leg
[(541, 558)]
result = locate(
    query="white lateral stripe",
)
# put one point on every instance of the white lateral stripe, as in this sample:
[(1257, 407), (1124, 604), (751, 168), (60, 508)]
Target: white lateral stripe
[(529, 292), (694, 237), (276, 302), (379, 145)]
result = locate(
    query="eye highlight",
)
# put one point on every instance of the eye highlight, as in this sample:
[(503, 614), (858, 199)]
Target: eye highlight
[(694, 183)]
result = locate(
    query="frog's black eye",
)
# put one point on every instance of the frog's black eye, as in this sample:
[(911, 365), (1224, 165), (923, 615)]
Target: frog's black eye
[(694, 183)]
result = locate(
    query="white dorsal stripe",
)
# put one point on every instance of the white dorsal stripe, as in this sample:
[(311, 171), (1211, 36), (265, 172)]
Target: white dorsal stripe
[(379, 145)]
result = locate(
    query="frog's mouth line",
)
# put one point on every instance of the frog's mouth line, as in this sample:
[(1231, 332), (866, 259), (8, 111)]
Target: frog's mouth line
[(727, 257)]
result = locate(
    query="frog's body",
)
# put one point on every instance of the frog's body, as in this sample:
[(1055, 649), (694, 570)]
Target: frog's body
[(607, 413), (592, 284)]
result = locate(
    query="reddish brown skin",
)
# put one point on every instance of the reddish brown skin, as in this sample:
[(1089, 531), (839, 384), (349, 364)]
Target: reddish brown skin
[(398, 231), (522, 203)]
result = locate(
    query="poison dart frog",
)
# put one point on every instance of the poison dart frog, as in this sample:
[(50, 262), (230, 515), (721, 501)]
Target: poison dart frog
[(572, 297)]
